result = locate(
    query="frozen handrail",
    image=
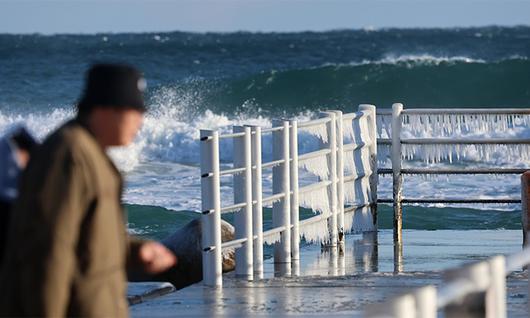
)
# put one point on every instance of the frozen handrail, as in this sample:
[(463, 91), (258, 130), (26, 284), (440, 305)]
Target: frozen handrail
[(465, 111), (353, 116), (271, 164), (327, 162), (487, 277), (313, 154), (470, 141), (443, 148), (312, 123), (315, 186)]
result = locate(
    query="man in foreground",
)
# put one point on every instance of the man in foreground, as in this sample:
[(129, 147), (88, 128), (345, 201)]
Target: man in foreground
[(68, 249)]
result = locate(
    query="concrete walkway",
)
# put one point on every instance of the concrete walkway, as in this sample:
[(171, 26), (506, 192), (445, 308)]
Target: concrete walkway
[(344, 283)]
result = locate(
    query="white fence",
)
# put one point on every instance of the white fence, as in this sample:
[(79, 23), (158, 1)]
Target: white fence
[(439, 148), (480, 285), (344, 194)]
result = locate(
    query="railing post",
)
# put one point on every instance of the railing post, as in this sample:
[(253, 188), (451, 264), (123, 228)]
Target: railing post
[(525, 216), (525, 196), (295, 219), (374, 178), (426, 306), (332, 144), (243, 193), (211, 209), (496, 294), (398, 307), (474, 304), (281, 214), (257, 196), (340, 175), (397, 182)]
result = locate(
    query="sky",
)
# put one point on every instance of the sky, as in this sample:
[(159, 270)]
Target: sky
[(93, 16)]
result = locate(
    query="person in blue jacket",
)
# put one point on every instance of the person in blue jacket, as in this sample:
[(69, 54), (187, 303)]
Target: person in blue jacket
[(15, 148)]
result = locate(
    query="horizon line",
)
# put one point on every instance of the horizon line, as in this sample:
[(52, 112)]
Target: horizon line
[(340, 29)]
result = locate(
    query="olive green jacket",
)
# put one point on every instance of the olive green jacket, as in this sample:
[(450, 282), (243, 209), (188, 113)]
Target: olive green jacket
[(67, 247)]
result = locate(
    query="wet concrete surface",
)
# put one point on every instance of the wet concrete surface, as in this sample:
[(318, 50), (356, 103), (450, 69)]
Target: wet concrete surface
[(330, 282)]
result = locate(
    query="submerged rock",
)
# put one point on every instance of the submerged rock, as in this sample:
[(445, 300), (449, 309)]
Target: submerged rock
[(186, 243)]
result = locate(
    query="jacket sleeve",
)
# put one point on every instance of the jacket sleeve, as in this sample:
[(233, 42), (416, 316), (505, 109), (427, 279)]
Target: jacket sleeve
[(62, 205), (133, 257)]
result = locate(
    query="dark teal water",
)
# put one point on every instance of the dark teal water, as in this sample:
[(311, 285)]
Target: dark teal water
[(155, 222), (275, 73)]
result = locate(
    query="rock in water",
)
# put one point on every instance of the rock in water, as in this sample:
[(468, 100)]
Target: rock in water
[(186, 243)]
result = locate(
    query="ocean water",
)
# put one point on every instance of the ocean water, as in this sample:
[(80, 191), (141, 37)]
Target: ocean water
[(215, 80)]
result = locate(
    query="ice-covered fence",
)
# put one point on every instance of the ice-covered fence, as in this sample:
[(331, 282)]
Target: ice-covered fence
[(442, 125), (479, 286), (343, 192), (473, 290)]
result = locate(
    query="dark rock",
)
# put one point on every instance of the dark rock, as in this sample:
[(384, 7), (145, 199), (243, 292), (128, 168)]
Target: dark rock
[(186, 243)]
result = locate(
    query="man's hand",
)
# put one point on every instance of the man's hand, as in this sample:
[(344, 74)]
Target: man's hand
[(155, 257)]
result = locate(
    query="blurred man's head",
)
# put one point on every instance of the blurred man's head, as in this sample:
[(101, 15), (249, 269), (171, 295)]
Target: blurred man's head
[(112, 103)]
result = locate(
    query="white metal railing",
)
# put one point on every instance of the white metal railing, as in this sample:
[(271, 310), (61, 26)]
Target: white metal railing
[(481, 285), (477, 117), (342, 185)]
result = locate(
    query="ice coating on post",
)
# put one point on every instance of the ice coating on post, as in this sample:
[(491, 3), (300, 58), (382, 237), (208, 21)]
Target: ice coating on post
[(257, 195), (243, 193), (332, 158), (281, 214), (211, 203), (340, 172), (396, 173), (295, 196)]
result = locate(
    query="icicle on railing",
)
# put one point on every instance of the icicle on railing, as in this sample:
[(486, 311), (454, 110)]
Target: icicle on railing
[(357, 162), (384, 125), (458, 124), (451, 178), (319, 131), (481, 153), (383, 154), (348, 222), (315, 232), (317, 166), (357, 192), (362, 220), (271, 239), (317, 200)]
